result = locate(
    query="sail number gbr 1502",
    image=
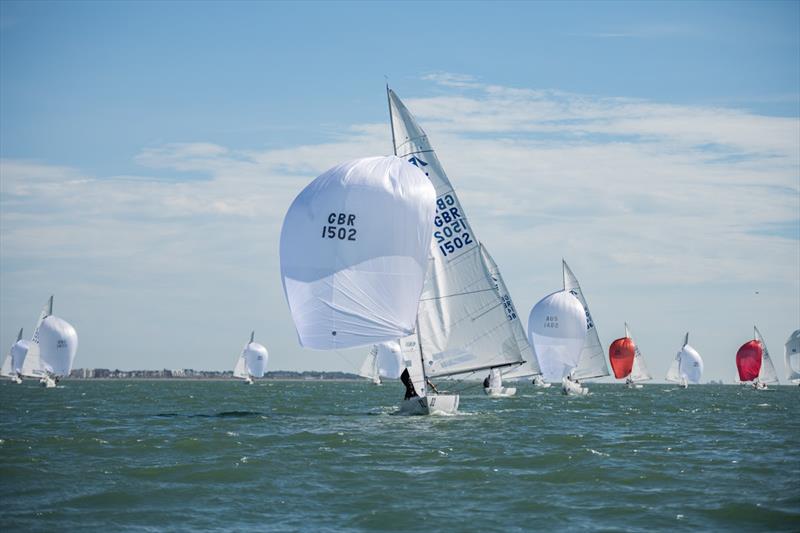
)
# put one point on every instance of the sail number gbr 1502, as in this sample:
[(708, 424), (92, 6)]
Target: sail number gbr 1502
[(340, 226), (451, 230)]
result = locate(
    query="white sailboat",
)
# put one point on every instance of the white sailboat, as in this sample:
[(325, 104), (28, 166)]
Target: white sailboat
[(687, 367), (252, 363), (791, 357), (384, 360), (463, 325), (627, 361), (530, 368), (12, 366), (766, 374), (52, 349)]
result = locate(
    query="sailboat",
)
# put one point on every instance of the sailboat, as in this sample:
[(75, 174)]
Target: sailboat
[(354, 250), (384, 360), (791, 356), (51, 351), (754, 363), (12, 366), (530, 368), (687, 367), (627, 361), (564, 364), (463, 324), (252, 362)]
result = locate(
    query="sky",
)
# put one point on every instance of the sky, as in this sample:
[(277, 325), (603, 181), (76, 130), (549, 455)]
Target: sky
[(149, 151)]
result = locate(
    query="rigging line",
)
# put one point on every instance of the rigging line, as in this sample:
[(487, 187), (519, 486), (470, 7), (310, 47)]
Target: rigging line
[(456, 294)]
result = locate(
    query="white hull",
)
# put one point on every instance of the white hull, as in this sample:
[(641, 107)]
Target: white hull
[(446, 404), (17, 380), (540, 383), (500, 392), (632, 385), (572, 388), (48, 382)]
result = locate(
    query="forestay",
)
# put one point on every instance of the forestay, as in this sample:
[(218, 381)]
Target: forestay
[(592, 360), (557, 332), (791, 355), (354, 251), (530, 367), (463, 324), (767, 372)]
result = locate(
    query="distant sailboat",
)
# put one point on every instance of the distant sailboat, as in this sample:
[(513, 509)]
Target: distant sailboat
[(463, 324), (791, 356), (627, 361), (12, 366), (754, 363), (52, 349), (252, 363), (384, 360), (687, 367), (354, 253)]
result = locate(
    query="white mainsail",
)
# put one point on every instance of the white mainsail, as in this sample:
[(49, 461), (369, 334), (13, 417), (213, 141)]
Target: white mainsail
[(354, 251), (767, 373), (530, 367), (639, 370), (369, 368), (462, 323), (557, 332), (593, 358), (791, 356)]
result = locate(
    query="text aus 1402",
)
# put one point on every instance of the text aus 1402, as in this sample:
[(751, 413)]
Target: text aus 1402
[(451, 232)]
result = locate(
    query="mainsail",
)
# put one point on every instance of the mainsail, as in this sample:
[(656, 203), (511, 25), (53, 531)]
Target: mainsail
[(557, 332), (592, 360), (462, 322), (791, 355), (767, 373), (530, 367), (639, 370), (354, 251)]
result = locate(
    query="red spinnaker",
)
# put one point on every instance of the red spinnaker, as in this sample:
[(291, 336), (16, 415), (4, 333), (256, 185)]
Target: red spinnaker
[(621, 354), (748, 360)]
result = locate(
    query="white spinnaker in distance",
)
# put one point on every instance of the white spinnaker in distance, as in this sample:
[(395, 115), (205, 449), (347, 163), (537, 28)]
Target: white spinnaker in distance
[(791, 356), (639, 370), (354, 250), (12, 365), (557, 332), (462, 322), (256, 356), (691, 366), (592, 362), (530, 367), (766, 373), (58, 344)]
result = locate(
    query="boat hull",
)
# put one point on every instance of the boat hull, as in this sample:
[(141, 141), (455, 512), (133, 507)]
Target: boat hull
[(500, 392), (446, 404), (572, 388)]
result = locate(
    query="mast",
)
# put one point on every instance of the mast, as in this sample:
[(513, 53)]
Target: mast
[(391, 124), (50, 306), (252, 335)]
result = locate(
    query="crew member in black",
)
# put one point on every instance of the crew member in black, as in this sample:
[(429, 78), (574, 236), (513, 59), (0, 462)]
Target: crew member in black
[(406, 379)]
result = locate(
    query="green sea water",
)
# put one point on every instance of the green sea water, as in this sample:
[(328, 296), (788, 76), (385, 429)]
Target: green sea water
[(328, 456)]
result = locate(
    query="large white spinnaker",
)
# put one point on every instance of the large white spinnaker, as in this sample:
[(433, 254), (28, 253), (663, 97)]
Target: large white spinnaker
[(592, 363), (557, 332), (791, 356), (463, 325), (767, 373), (687, 367), (53, 346), (530, 367), (354, 251), (253, 360)]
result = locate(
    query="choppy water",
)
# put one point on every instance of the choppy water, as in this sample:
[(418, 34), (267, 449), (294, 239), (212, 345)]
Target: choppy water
[(316, 456)]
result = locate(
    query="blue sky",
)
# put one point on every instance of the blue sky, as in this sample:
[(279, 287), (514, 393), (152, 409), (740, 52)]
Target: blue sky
[(150, 150)]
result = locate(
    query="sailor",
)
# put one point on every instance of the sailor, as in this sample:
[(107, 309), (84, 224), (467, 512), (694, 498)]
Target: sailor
[(406, 379), (486, 383)]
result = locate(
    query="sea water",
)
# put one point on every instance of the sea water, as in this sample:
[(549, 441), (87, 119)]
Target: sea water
[(330, 456)]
